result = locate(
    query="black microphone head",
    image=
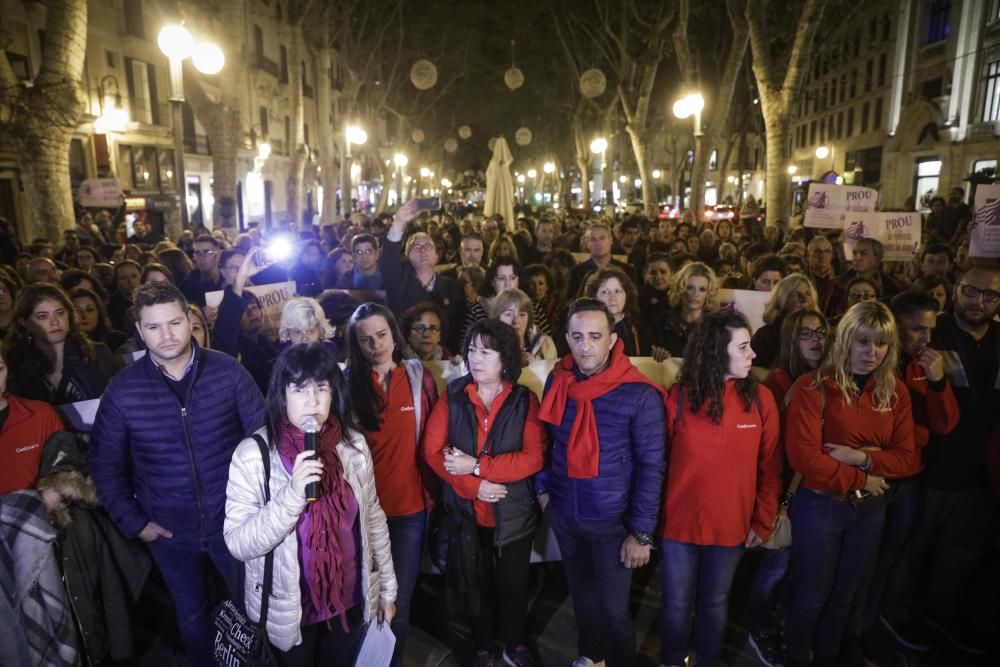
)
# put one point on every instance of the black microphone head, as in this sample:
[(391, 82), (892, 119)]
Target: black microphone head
[(310, 425)]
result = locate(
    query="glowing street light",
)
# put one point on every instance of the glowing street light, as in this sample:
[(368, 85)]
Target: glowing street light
[(657, 173), (549, 167), (425, 172), (208, 58), (355, 135), (599, 145), (532, 174), (401, 160), (520, 178), (686, 107), (792, 169), (822, 152), (176, 42)]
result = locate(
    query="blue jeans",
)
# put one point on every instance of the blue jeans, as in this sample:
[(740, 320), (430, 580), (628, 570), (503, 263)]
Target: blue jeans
[(186, 566), (765, 591), (599, 585), (900, 515), (834, 543), (406, 535), (696, 579)]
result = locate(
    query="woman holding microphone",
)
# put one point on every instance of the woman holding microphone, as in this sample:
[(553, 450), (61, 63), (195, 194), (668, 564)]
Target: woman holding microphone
[(332, 562), (848, 427)]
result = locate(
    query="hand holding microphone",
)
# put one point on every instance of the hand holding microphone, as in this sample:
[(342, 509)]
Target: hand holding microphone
[(311, 427)]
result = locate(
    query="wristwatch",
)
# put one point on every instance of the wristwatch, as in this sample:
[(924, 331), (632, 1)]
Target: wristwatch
[(867, 465), (475, 469), (642, 537)]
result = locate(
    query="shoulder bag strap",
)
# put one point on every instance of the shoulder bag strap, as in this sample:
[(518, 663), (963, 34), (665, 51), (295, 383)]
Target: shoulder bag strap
[(265, 456)]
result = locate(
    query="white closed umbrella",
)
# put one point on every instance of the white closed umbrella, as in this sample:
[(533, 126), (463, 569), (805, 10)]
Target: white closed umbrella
[(500, 184)]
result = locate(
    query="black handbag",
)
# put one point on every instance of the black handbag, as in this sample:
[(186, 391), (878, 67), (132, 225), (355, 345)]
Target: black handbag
[(238, 641)]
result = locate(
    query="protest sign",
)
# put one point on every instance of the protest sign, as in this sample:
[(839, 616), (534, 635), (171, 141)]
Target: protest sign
[(100, 193), (897, 231), (827, 205), (984, 239), (272, 298)]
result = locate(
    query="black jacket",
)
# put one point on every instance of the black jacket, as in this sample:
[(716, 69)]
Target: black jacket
[(83, 378)]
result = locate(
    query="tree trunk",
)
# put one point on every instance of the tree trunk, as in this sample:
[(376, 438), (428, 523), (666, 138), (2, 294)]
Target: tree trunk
[(330, 174), (779, 152), (641, 160), (40, 120)]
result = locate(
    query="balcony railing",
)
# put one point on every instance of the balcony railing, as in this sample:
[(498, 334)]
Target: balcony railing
[(264, 63)]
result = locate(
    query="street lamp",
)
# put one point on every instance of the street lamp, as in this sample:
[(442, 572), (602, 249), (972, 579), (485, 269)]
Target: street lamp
[(177, 43), (599, 146), (687, 106), (822, 152), (352, 135), (549, 167), (792, 169), (112, 118)]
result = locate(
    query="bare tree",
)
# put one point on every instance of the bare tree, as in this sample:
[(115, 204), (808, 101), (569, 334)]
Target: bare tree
[(38, 117), (779, 67)]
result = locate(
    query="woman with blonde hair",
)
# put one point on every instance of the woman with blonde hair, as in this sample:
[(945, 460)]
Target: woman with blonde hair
[(793, 292), (693, 293), (514, 307), (303, 321), (848, 429)]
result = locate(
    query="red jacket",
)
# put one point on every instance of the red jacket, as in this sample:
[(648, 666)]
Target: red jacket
[(22, 439), (722, 479), (934, 412), (497, 469), (779, 382), (857, 425)]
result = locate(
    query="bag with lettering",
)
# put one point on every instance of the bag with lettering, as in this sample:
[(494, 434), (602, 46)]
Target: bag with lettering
[(238, 641)]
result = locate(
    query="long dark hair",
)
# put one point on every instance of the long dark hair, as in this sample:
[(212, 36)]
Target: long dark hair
[(299, 364), (368, 402), (22, 355), (789, 353), (100, 334), (706, 361)]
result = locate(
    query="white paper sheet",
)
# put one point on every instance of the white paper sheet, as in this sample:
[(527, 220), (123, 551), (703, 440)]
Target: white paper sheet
[(376, 651)]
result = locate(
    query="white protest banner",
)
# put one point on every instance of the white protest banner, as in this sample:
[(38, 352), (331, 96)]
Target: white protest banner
[(984, 240), (100, 193), (897, 231), (748, 303), (827, 205), (272, 298)]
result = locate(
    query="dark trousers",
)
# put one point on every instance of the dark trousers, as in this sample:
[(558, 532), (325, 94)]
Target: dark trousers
[(406, 535), (900, 515), (946, 545), (766, 589), (502, 591), (833, 546), (599, 585), (326, 643), (696, 580), (188, 568)]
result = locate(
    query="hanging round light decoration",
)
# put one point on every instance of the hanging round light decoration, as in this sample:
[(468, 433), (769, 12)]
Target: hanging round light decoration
[(593, 83), (451, 144), (513, 77), (423, 74), (465, 132), (418, 136), (523, 136)]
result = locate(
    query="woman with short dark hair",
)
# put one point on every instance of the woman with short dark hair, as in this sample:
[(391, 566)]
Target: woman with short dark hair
[(486, 442), (333, 570)]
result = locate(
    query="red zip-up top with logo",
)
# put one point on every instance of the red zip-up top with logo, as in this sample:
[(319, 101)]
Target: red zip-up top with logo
[(935, 408), (856, 424), (722, 479), (22, 439)]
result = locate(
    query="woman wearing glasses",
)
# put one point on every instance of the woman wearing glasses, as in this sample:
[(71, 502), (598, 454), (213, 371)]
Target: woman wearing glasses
[(848, 428), (803, 346), (333, 569), (792, 293), (423, 330), (393, 398)]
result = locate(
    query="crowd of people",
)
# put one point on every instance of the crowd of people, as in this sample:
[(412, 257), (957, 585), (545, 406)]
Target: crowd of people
[(863, 412)]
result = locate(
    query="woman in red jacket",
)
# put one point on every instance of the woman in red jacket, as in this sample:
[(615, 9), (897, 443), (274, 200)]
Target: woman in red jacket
[(848, 427), (802, 348), (723, 481), (393, 398), (486, 441)]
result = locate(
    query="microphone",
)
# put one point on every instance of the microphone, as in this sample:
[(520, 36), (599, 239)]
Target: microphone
[(311, 427)]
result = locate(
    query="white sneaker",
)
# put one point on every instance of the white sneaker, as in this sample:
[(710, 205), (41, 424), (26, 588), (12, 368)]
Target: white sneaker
[(587, 662)]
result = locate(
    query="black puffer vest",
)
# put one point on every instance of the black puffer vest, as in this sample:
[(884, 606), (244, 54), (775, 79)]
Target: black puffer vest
[(516, 515)]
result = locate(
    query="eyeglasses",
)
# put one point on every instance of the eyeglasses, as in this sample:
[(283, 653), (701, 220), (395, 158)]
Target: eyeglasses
[(863, 296), (422, 247), (424, 329), (812, 334), (319, 389), (205, 253), (973, 292), (364, 251)]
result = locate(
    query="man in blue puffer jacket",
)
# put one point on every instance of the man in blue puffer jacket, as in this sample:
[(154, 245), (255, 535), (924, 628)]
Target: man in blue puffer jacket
[(160, 450), (602, 486)]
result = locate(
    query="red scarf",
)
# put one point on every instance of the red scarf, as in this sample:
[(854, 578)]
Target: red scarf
[(324, 518), (584, 448)]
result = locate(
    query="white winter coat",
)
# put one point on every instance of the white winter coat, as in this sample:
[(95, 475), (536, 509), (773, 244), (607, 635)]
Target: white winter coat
[(252, 529)]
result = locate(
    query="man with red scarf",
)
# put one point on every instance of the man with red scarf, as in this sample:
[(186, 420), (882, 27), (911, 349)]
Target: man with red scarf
[(601, 488)]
